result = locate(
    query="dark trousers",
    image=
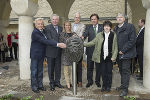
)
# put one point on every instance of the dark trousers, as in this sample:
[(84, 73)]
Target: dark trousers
[(124, 68), (79, 71), (11, 54), (133, 65), (54, 67), (36, 73), (90, 67), (2, 56), (15, 46), (106, 66), (140, 60), (98, 72)]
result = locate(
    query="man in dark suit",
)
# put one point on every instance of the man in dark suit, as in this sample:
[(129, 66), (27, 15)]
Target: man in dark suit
[(140, 46), (90, 32), (53, 54), (37, 54)]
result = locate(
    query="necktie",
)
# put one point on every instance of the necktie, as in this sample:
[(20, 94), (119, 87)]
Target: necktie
[(95, 30), (56, 28)]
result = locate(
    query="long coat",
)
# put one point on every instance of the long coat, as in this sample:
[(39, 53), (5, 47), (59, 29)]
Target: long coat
[(126, 38), (97, 42), (38, 44), (52, 34)]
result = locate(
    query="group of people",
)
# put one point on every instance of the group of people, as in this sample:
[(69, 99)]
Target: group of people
[(7, 46), (104, 47)]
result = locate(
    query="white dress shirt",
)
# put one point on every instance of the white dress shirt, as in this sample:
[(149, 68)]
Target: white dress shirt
[(105, 46)]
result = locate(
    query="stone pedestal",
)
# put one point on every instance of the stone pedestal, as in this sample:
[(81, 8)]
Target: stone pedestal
[(146, 57), (25, 9)]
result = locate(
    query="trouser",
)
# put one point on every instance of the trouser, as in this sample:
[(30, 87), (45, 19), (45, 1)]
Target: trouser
[(124, 68), (11, 54), (79, 71), (15, 46), (2, 55), (68, 74), (98, 72), (36, 73), (54, 67), (90, 67), (106, 68), (140, 60)]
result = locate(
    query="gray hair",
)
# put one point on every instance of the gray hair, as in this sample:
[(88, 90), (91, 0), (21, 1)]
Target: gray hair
[(76, 14), (54, 15), (121, 15), (37, 19)]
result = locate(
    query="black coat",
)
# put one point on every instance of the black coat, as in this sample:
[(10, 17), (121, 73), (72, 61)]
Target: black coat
[(52, 34), (38, 44), (126, 39), (140, 42), (89, 32)]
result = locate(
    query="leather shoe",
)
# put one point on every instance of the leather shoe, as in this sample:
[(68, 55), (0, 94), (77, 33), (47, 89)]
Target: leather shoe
[(107, 89), (35, 90), (98, 84), (59, 85), (123, 93), (89, 84), (52, 87), (42, 88), (119, 88), (103, 89)]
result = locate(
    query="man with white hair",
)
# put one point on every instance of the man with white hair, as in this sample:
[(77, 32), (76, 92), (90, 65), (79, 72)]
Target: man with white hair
[(78, 28), (126, 39), (37, 54), (53, 54)]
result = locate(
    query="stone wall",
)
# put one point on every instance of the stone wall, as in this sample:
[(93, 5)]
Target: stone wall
[(104, 8)]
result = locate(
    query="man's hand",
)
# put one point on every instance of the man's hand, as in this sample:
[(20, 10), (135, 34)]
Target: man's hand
[(120, 53), (61, 45)]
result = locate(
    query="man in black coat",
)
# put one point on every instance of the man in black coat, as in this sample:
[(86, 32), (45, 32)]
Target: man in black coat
[(126, 39), (90, 32), (140, 46), (53, 54), (37, 54)]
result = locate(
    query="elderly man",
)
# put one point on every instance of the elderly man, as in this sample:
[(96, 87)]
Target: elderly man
[(54, 54), (37, 54), (126, 39), (90, 32), (78, 28)]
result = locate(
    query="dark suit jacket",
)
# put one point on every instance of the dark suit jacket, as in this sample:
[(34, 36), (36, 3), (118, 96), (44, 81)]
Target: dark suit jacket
[(140, 42), (38, 44), (89, 32), (52, 34)]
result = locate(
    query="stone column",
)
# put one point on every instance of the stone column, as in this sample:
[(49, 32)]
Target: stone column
[(25, 9), (146, 57)]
